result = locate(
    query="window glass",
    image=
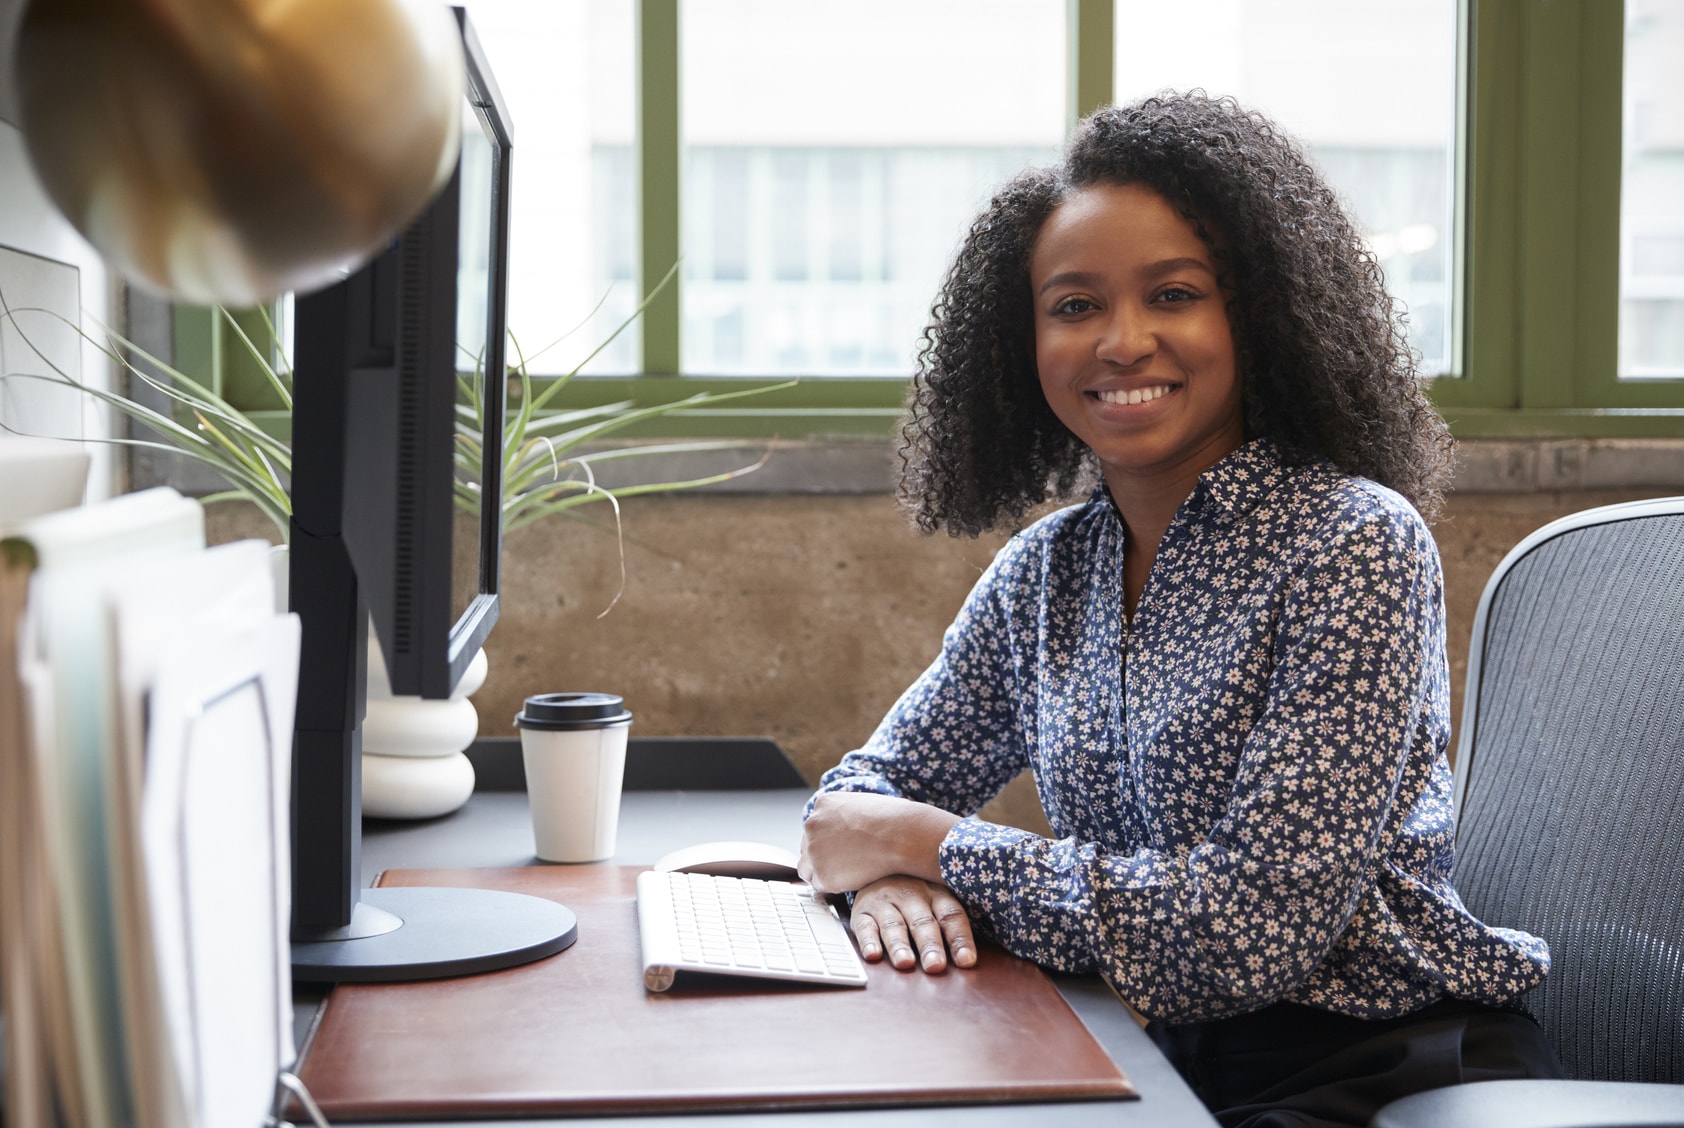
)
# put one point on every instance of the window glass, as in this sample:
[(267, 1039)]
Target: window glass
[(565, 68), (833, 156), (1370, 90), (1652, 193)]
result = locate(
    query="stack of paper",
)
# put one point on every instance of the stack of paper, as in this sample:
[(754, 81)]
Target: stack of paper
[(147, 688)]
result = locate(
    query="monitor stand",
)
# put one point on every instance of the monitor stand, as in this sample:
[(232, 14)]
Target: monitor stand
[(430, 933)]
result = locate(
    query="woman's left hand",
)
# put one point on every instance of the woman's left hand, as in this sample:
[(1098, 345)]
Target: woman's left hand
[(853, 838), (916, 923)]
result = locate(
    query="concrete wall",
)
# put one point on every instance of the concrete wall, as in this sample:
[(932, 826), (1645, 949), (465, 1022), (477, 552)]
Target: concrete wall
[(802, 618)]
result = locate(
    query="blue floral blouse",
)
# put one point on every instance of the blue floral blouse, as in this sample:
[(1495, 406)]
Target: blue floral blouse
[(1247, 779)]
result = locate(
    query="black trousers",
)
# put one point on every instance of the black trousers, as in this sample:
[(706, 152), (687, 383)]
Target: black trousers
[(1292, 1066)]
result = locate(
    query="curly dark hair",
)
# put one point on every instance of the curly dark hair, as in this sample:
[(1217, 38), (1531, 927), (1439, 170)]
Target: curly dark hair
[(1323, 364)]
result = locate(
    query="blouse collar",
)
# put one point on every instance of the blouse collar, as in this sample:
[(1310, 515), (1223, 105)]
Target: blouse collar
[(1240, 481), (1235, 485)]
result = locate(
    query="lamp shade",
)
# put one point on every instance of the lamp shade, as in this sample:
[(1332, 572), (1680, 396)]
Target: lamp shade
[(231, 150)]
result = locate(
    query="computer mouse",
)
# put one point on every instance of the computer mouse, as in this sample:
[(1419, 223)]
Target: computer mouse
[(733, 859)]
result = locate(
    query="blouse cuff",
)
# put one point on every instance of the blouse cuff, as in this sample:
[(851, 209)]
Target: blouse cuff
[(972, 854)]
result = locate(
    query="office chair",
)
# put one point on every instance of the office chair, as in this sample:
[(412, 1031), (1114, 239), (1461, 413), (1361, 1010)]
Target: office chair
[(1570, 801)]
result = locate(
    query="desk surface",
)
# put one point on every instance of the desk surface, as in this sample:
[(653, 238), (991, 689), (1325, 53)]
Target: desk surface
[(494, 829)]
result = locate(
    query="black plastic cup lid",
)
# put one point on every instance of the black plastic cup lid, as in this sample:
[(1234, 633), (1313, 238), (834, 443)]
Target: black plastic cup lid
[(572, 711)]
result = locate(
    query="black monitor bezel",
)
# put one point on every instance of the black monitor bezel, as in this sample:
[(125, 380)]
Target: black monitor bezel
[(469, 632)]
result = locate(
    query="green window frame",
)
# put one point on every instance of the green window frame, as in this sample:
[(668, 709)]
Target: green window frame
[(1540, 91), (206, 347)]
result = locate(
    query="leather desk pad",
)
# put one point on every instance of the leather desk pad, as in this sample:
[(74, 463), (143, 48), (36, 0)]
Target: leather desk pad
[(577, 1034)]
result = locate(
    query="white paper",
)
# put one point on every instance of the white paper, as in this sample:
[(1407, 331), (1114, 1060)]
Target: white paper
[(161, 687), (154, 610), (214, 835), (65, 665)]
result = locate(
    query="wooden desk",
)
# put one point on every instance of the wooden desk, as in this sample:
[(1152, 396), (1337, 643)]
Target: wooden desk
[(494, 829)]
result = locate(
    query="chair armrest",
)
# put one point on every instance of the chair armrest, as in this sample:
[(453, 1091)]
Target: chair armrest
[(1539, 1104)]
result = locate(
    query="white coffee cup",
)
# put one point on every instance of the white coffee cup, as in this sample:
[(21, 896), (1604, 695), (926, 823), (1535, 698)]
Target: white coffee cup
[(574, 747)]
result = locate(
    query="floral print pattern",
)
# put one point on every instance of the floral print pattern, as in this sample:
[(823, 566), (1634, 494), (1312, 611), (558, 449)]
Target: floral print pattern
[(1247, 780)]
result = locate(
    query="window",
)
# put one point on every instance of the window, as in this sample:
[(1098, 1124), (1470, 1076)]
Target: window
[(832, 157), (1517, 166), (566, 68), (1386, 142), (1652, 193), (1547, 108)]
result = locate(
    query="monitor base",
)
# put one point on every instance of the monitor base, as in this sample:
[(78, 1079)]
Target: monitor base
[(444, 932)]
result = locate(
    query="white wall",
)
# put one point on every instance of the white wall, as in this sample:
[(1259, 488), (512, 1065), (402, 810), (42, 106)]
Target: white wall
[(30, 224)]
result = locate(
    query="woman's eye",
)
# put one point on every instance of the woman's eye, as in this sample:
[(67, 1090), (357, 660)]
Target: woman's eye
[(1072, 306), (1175, 294)]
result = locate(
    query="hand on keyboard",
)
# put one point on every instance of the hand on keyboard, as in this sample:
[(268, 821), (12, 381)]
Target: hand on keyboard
[(918, 922)]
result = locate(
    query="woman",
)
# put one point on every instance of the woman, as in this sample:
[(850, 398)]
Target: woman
[(1226, 670)]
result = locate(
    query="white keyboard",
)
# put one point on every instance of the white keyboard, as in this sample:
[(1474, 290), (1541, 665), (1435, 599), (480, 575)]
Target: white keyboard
[(740, 926)]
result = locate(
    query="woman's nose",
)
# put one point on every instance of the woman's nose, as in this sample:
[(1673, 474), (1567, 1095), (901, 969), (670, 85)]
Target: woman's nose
[(1125, 339)]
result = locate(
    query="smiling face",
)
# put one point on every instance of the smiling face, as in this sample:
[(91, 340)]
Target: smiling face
[(1132, 341)]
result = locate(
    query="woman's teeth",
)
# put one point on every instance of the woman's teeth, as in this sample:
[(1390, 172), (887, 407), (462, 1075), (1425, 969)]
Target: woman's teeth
[(1137, 395)]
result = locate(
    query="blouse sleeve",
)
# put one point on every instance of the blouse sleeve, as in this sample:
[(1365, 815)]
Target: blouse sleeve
[(955, 738), (1249, 913)]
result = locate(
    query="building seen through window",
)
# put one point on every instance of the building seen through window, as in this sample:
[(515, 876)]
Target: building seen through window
[(1370, 91), (833, 154), (567, 69), (1652, 193)]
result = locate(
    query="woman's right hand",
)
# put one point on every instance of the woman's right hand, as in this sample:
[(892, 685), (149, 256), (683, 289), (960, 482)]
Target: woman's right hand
[(917, 922)]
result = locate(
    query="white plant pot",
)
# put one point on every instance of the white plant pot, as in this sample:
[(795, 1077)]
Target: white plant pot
[(413, 766), (415, 787)]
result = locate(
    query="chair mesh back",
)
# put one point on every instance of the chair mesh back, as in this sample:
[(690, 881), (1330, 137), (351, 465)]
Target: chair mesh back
[(1572, 821)]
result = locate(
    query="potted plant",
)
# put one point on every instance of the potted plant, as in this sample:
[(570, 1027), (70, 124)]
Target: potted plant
[(548, 457), (548, 453)]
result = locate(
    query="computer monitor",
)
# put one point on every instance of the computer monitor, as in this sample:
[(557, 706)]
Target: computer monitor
[(377, 359)]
